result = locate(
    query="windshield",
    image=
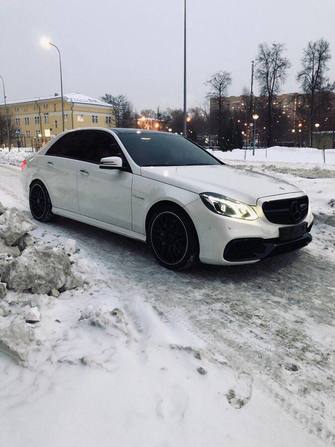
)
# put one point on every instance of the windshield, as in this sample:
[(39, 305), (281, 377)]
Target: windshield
[(163, 149)]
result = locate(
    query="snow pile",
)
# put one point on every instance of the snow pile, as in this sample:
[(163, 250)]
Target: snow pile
[(17, 338), (28, 266), (15, 156)]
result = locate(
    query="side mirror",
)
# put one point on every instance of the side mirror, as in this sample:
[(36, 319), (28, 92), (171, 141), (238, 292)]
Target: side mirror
[(111, 163)]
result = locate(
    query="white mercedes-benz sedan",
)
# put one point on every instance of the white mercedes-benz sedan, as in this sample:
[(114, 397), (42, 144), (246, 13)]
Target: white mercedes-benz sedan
[(165, 190)]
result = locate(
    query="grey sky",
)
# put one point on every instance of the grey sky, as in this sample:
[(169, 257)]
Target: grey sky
[(134, 47)]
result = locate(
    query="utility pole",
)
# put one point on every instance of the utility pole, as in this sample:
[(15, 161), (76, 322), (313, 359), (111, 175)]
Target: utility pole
[(185, 67)]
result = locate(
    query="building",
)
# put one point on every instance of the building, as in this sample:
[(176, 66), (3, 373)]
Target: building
[(35, 121)]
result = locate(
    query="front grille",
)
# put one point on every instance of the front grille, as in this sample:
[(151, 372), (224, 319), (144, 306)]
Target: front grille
[(286, 211)]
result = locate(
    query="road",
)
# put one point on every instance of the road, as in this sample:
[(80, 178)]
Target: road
[(274, 320)]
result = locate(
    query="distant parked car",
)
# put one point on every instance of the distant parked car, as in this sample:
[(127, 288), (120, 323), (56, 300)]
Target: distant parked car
[(162, 189)]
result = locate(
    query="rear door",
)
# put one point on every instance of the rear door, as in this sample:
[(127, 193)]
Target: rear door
[(59, 172), (103, 194)]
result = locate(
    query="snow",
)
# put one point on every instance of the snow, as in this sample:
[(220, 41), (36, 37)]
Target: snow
[(84, 99), (138, 355), (15, 155), (78, 98), (281, 154)]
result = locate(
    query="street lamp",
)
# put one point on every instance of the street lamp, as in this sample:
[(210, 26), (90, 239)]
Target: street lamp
[(185, 66), (45, 43), (255, 117), (317, 126), (6, 111)]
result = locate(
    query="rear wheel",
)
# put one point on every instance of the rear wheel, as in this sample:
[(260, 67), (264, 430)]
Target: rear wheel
[(173, 238), (40, 203)]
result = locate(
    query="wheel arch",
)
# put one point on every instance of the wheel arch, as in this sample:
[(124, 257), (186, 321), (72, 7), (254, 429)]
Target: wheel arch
[(163, 204), (37, 180)]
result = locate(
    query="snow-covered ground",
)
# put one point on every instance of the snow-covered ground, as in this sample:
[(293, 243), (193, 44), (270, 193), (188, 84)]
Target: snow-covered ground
[(16, 155), (282, 154), (141, 356)]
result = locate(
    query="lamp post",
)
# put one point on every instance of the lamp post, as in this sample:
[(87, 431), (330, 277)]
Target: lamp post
[(6, 111), (255, 117), (317, 127), (185, 72), (45, 43)]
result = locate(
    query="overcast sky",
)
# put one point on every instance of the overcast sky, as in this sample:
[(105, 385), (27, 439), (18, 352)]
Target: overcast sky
[(135, 47)]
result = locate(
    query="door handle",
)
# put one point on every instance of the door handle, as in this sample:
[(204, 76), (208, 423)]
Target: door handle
[(50, 163), (84, 172)]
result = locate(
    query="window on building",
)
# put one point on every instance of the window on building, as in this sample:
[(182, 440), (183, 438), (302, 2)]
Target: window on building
[(17, 121), (80, 118), (26, 121), (94, 119), (56, 124), (28, 133), (109, 120), (37, 119), (46, 118), (45, 105)]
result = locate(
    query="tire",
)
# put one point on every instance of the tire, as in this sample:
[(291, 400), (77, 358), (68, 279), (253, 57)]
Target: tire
[(173, 238), (40, 203)]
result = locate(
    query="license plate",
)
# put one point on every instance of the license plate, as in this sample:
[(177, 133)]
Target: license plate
[(293, 232)]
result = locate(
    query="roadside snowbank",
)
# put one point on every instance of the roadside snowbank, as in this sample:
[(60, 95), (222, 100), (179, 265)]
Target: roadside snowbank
[(281, 154), (16, 155)]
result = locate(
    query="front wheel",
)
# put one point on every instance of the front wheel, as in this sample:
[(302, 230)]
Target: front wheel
[(40, 203), (173, 238)]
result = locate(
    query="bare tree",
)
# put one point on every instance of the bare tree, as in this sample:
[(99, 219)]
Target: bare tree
[(121, 108), (218, 84), (149, 113), (271, 72), (313, 78)]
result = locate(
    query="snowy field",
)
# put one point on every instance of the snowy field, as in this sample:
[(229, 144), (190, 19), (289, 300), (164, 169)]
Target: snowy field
[(282, 154), (136, 355)]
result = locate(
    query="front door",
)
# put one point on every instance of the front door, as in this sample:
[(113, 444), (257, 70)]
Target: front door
[(104, 195)]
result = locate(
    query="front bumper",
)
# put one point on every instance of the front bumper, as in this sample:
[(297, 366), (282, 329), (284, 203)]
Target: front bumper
[(255, 249), (257, 239)]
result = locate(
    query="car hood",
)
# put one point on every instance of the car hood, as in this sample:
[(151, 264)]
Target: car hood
[(239, 184)]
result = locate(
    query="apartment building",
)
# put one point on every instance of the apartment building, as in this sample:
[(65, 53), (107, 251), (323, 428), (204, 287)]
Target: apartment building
[(34, 121)]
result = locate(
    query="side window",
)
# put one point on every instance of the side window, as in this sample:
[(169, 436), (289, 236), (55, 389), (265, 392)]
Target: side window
[(67, 146), (86, 145), (99, 145)]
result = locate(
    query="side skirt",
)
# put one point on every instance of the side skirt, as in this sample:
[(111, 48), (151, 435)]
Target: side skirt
[(99, 224)]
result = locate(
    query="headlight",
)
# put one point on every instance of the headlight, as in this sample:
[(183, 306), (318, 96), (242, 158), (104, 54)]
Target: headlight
[(228, 207)]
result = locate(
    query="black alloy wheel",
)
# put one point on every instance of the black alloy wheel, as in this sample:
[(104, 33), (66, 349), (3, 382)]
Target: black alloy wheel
[(173, 239), (40, 203)]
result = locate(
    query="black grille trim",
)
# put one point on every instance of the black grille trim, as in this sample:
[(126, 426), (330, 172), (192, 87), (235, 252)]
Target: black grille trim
[(255, 249), (286, 211)]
